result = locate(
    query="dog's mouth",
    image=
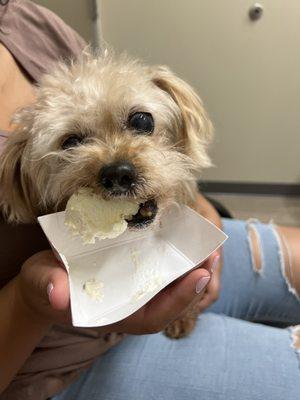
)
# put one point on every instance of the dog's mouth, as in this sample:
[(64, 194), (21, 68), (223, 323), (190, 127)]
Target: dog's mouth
[(145, 215)]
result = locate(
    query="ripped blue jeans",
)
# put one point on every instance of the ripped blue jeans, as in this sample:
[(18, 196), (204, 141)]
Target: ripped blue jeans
[(228, 356)]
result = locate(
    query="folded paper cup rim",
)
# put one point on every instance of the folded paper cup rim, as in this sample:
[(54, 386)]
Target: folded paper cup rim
[(124, 273)]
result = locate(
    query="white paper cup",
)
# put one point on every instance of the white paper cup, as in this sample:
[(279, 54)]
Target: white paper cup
[(113, 278)]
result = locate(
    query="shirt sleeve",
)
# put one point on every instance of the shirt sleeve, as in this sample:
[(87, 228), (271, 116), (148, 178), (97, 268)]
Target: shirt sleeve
[(37, 37)]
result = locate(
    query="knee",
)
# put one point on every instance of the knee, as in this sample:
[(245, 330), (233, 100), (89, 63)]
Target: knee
[(289, 248)]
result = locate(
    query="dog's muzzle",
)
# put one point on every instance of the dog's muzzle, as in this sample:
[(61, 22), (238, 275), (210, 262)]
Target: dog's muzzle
[(120, 178), (145, 215)]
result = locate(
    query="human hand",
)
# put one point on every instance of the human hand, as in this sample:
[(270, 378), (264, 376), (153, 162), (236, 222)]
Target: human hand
[(44, 293), (211, 294), (43, 289), (166, 306)]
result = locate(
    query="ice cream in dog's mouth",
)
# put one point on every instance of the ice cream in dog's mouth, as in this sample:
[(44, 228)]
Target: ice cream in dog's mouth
[(90, 216)]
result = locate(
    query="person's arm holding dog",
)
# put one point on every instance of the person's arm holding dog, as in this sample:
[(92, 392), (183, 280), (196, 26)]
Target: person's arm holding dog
[(39, 297), (16, 90), (21, 329)]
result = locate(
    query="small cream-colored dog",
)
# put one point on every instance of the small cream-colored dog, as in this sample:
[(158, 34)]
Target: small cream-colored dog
[(113, 125)]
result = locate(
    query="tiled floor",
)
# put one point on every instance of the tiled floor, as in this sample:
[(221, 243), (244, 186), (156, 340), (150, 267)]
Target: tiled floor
[(281, 210)]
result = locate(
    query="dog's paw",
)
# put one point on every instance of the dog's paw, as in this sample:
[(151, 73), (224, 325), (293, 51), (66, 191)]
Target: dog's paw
[(180, 328)]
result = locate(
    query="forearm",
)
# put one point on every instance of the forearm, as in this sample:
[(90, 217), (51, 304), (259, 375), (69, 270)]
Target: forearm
[(20, 332)]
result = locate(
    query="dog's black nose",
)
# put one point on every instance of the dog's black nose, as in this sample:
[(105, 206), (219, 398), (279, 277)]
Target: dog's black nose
[(118, 177)]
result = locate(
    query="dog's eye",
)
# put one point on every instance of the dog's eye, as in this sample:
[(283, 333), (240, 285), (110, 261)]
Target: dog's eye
[(141, 122), (72, 141)]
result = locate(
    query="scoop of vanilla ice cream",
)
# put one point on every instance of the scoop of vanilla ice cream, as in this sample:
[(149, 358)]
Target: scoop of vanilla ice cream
[(91, 217)]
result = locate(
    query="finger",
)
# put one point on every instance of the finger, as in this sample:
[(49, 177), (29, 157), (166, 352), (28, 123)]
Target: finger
[(58, 289), (210, 296), (50, 280), (205, 264), (203, 304), (168, 304), (211, 262), (215, 259)]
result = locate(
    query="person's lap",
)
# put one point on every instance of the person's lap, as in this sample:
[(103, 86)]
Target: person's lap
[(247, 292), (224, 358)]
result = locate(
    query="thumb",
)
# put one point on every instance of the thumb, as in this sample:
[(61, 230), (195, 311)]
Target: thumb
[(58, 289), (50, 280)]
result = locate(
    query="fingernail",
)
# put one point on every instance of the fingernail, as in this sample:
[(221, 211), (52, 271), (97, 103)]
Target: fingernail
[(49, 289), (200, 285), (215, 263)]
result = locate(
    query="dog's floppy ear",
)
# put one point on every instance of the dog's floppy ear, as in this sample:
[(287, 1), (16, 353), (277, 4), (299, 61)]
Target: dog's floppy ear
[(15, 196), (196, 129)]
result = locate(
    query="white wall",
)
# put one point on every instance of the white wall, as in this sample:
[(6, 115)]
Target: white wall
[(248, 74)]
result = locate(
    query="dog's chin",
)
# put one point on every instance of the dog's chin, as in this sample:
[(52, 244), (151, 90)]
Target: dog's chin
[(145, 216)]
